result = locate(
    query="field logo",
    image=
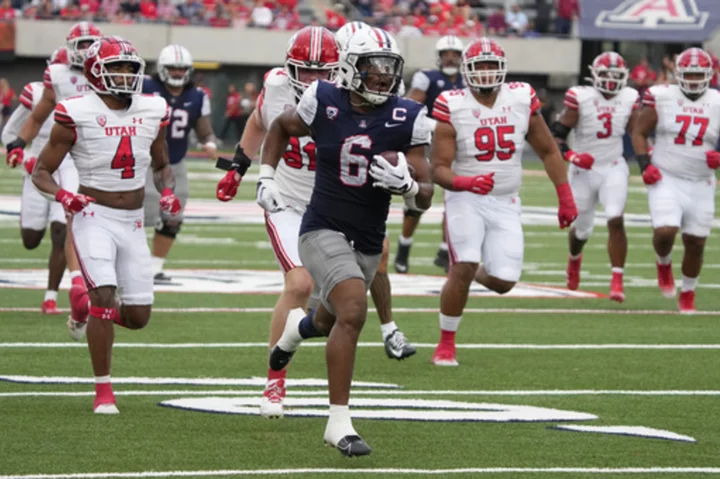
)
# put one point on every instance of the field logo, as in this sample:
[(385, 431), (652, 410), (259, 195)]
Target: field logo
[(654, 15)]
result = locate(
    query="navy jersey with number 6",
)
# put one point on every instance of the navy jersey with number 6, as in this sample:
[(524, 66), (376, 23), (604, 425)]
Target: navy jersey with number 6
[(344, 198), (185, 110)]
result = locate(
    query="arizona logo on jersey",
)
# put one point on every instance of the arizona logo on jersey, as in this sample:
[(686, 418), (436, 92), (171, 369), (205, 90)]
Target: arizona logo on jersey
[(654, 14)]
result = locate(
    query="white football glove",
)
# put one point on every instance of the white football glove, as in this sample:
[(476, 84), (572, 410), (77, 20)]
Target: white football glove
[(268, 195), (394, 179)]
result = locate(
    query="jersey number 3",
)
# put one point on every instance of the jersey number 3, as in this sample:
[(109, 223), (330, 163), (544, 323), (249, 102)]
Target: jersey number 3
[(124, 159)]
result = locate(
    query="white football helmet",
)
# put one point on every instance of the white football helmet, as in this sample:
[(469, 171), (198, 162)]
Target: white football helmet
[(371, 65), (347, 30), (175, 56), (448, 43)]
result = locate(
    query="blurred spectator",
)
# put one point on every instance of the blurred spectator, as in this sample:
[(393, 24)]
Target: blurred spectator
[(335, 18), (517, 21), (667, 71), (432, 27), (496, 24), (165, 11), (408, 29), (715, 82), (109, 9), (189, 10), (232, 113), (7, 12), (7, 96), (286, 20), (261, 15), (547, 107), (542, 18), (247, 104), (642, 76), (71, 12), (148, 10), (45, 12), (200, 83), (220, 17), (89, 6), (531, 31), (130, 10), (567, 12)]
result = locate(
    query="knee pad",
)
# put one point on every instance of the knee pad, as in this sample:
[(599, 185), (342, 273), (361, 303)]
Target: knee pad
[(169, 231), (106, 314)]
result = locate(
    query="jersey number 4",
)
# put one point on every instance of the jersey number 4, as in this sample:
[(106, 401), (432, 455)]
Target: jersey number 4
[(686, 121), (124, 159), (493, 143)]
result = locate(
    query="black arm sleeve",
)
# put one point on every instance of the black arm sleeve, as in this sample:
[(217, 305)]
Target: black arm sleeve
[(643, 161), (560, 131), (241, 162)]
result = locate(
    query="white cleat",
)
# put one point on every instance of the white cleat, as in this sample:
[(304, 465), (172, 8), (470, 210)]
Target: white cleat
[(271, 406), (76, 329), (106, 409)]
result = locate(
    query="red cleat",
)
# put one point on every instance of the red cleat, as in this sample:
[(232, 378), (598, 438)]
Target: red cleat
[(104, 400), (666, 282), (573, 273), (49, 306), (686, 302), (617, 292), (79, 303), (444, 355)]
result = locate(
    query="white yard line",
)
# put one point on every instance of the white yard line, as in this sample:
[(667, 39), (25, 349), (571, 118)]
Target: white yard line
[(321, 344), (377, 471)]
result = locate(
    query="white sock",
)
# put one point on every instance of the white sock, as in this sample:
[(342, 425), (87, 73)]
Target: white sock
[(291, 339), (339, 424), (388, 329), (449, 323), (49, 294), (157, 264), (617, 269), (688, 284), (575, 257), (405, 241), (75, 274), (443, 246), (102, 379), (663, 259)]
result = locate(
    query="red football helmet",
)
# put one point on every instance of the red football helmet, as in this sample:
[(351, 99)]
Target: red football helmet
[(697, 63), (81, 36), (609, 73), (312, 54), (479, 52), (59, 56), (104, 57)]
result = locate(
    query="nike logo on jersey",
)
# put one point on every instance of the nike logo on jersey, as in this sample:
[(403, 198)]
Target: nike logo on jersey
[(391, 125)]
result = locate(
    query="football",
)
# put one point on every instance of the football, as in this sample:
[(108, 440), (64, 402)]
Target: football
[(392, 158)]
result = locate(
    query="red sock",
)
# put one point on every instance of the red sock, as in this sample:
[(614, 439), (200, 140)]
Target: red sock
[(104, 391), (447, 337), (78, 281), (277, 374)]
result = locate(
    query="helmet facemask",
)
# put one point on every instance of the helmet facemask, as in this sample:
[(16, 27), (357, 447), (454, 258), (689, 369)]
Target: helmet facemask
[(485, 74), (122, 77), (166, 76), (302, 74), (609, 80), (449, 62), (694, 81), (376, 76), (76, 49)]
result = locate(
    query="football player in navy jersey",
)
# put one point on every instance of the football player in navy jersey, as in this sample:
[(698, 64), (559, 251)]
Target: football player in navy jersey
[(342, 231), (189, 109), (426, 86)]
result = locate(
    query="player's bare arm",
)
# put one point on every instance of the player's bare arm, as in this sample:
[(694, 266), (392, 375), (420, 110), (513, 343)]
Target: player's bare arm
[(206, 137), (163, 175), (253, 136), (40, 113), (417, 95), (61, 141), (286, 125), (631, 121), (645, 122), (547, 149), (561, 128), (416, 158), (442, 153)]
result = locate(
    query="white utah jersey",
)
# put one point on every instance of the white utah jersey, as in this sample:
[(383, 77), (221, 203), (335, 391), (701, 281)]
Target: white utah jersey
[(29, 98), (295, 174), (65, 81), (490, 140), (686, 130), (112, 147), (601, 122)]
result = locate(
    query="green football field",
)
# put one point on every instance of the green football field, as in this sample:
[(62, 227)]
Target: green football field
[(189, 384)]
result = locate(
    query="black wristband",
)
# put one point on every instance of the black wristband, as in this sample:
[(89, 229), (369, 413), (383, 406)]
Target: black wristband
[(643, 161), (564, 148), (241, 160), (16, 143), (560, 131)]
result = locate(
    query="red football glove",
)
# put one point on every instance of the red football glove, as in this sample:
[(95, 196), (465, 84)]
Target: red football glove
[(73, 203), (169, 203), (228, 186), (15, 157), (30, 165), (651, 175), (567, 212), (581, 160), (480, 184), (713, 159)]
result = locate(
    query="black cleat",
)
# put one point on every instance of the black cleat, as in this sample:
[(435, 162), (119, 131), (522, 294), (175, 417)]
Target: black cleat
[(442, 260), (401, 259), (161, 278), (351, 446), (279, 359), (397, 346)]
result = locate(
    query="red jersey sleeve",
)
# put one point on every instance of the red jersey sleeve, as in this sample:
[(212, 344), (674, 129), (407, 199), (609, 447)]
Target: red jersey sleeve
[(62, 116), (571, 100), (47, 79), (26, 97), (165, 121), (534, 101), (441, 111), (648, 99)]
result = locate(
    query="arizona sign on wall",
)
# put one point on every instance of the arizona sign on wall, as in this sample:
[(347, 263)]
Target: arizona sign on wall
[(649, 20)]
